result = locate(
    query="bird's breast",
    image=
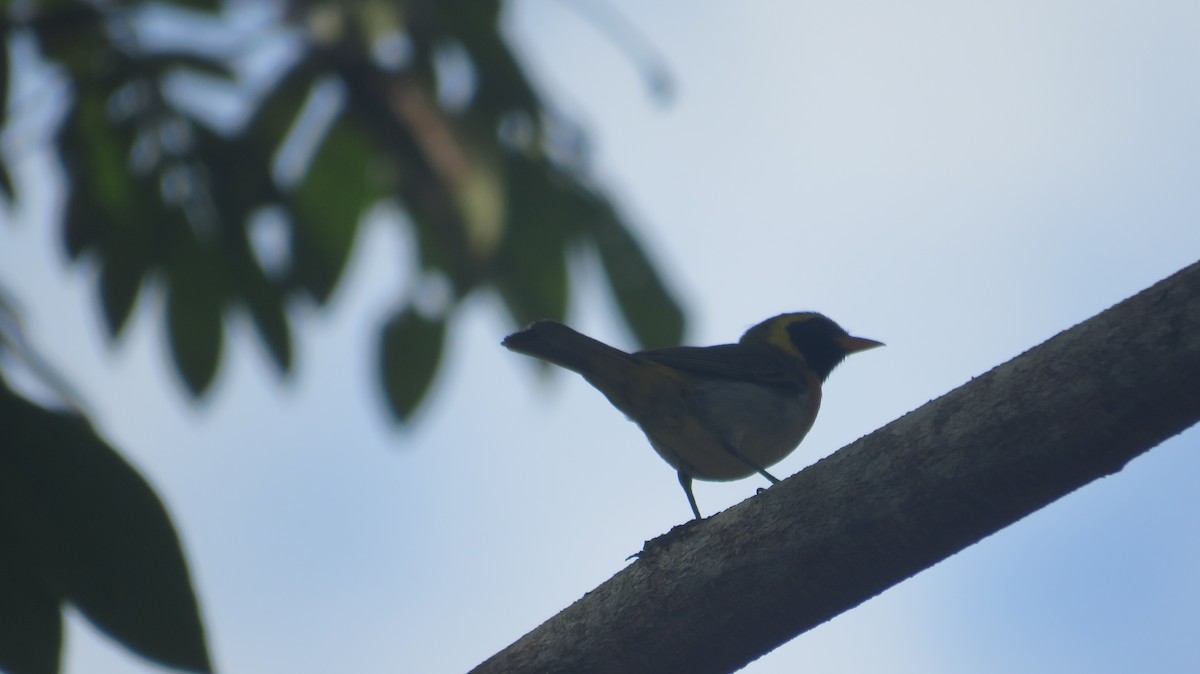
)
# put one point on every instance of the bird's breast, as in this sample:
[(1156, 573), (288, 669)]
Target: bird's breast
[(764, 423)]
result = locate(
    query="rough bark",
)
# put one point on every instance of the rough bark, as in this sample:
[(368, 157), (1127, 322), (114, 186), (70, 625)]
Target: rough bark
[(713, 596)]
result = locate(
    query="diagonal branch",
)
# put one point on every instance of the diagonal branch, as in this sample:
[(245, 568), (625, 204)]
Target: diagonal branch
[(716, 595)]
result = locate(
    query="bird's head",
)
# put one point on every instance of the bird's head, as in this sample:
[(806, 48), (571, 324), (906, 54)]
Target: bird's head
[(811, 336)]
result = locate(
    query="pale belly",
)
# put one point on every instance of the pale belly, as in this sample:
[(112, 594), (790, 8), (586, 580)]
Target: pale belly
[(764, 426)]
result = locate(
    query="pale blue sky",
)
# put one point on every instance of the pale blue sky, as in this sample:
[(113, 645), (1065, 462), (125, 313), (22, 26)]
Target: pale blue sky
[(958, 180)]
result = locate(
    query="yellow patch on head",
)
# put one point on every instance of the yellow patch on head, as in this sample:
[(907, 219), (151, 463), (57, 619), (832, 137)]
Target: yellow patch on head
[(774, 331)]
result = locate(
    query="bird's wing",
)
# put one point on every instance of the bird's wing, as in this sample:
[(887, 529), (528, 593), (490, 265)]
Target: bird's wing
[(731, 361)]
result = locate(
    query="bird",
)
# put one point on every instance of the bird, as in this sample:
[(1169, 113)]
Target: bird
[(714, 413)]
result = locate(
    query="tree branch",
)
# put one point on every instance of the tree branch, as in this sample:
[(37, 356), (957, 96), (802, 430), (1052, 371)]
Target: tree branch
[(714, 596)]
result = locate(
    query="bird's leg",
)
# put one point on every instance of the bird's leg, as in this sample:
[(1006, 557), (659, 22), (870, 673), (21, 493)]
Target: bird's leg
[(738, 455), (685, 480)]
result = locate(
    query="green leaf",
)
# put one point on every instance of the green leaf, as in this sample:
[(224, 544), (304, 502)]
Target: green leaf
[(163, 62), (276, 113), (195, 313), (532, 261), (120, 282), (238, 176), (30, 614), (533, 277), (108, 206), (106, 169), (96, 535), (6, 183), (409, 352), (267, 310), (7, 189), (502, 86), (84, 220), (648, 307), (72, 34), (206, 6), (440, 236), (327, 206), (480, 198)]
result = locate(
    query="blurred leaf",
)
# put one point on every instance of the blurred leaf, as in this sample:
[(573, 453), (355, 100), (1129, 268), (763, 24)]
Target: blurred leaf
[(274, 115), (493, 181), (458, 162), (267, 309), (195, 311), (109, 207), (241, 182), (505, 88), (210, 6), (480, 197), (30, 615), (327, 207), (4, 77), (649, 309), (71, 34), (7, 189), (443, 175), (96, 534), (409, 352), (441, 244), (533, 276), (6, 184), (532, 263), (242, 167), (161, 63), (238, 176), (83, 223), (106, 165), (120, 282), (441, 234)]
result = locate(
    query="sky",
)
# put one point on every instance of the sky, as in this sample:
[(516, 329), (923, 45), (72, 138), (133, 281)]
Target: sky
[(960, 180)]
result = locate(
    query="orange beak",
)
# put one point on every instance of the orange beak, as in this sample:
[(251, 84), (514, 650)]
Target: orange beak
[(854, 344)]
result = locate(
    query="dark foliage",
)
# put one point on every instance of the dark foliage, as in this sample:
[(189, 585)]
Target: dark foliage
[(431, 111), (419, 105)]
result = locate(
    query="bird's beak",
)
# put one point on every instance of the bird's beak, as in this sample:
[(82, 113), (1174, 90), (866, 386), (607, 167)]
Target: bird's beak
[(853, 344)]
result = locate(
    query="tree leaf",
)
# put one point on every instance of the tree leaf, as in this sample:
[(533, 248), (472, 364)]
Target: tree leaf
[(195, 306), (409, 352), (268, 311), (480, 197), (30, 615), (532, 275), (327, 207), (649, 309), (275, 114), (96, 534), (108, 206), (164, 62), (143, 169), (120, 282), (531, 264), (7, 189), (71, 34), (440, 235), (502, 87), (206, 6), (6, 184), (84, 220), (106, 170)]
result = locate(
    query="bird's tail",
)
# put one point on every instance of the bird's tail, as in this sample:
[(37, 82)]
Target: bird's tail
[(554, 342)]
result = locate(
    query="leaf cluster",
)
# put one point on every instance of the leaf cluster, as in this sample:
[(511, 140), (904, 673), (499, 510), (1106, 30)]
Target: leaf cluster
[(419, 104), (234, 192), (79, 526)]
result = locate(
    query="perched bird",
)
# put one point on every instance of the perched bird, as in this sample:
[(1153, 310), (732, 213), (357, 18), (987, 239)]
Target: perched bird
[(715, 412)]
